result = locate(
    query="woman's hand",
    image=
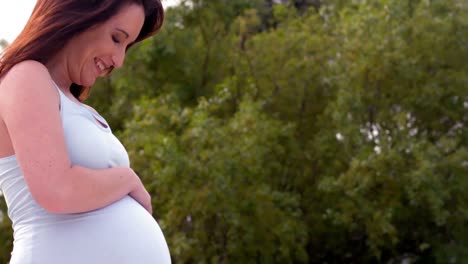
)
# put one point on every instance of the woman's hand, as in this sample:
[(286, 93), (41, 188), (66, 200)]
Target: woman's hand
[(141, 195)]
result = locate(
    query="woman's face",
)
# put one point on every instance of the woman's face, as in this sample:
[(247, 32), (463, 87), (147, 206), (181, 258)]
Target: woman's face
[(94, 52)]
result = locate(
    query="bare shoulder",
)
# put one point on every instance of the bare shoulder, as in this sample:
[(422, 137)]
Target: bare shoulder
[(27, 70), (28, 78), (30, 64)]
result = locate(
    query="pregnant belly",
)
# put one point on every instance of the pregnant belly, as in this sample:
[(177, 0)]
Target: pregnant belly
[(123, 232)]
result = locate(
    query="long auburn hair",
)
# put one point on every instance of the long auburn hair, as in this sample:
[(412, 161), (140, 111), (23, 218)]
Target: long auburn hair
[(54, 22)]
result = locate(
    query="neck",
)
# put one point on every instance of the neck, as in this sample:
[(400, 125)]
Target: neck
[(58, 70)]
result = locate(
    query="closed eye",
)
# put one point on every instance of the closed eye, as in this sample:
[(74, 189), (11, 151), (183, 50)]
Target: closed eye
[(115, 40)]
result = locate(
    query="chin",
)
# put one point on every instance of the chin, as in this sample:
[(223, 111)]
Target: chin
[(88, 83)]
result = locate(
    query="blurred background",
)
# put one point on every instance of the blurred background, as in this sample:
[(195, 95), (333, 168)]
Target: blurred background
[(301, 131)]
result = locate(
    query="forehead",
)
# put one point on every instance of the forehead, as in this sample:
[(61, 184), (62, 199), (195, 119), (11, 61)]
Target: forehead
[(129, 18)]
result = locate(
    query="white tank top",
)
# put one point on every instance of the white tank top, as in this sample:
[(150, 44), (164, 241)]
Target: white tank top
[(95, 146), (123, 232)]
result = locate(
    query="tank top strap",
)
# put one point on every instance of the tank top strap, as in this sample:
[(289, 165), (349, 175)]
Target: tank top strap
[(64, 100), (61, 95), (73, 107)]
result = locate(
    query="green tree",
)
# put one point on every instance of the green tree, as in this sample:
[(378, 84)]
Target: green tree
[(374, 93), (218, 182), (6, 233), (400, 113)]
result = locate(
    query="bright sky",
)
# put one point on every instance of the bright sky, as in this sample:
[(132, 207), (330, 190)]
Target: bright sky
[(15, 13)]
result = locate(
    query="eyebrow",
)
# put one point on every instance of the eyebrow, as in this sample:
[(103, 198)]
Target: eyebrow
[(123, 31)]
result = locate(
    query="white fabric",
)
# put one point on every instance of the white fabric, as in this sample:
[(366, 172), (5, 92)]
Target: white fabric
[(123, 232)]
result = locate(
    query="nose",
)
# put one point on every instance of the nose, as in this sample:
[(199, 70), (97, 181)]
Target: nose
[(118, 58)]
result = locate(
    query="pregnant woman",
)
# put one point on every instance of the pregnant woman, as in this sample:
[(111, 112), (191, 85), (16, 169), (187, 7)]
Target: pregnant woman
[(67, 181)]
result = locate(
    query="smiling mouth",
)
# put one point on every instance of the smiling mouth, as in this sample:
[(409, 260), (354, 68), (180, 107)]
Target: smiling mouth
[(101, 67)]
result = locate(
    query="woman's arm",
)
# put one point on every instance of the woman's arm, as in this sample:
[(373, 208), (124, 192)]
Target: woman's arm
[(29, 106)]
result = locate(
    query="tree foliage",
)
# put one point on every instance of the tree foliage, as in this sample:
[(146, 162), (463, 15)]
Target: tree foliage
[(305, 132)]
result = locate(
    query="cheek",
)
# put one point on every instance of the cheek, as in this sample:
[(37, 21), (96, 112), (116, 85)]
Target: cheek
[(87, 73)]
